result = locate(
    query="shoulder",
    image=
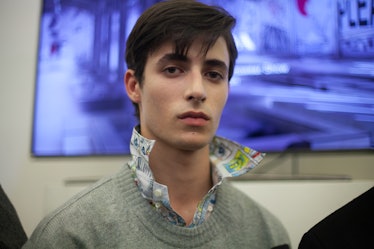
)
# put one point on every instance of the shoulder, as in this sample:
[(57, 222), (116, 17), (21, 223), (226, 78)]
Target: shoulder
[(82, 215), (350, 226), (252, 214), (240, 201), (11, 230)]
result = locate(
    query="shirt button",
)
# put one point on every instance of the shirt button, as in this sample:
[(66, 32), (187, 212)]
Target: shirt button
[(210, 208), (157, 192)]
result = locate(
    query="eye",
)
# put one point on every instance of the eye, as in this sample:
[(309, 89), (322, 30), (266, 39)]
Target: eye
[(215, 76), (172, 71)]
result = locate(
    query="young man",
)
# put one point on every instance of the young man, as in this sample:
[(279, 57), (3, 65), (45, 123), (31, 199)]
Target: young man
[(180, 57)]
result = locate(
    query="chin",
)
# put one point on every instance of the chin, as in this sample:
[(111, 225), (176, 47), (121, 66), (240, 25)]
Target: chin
[(194, 141)]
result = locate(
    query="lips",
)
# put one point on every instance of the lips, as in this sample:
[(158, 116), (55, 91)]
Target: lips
[(194, 115)]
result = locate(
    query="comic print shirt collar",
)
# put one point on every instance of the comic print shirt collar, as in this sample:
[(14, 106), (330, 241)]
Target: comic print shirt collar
[(228, 159)]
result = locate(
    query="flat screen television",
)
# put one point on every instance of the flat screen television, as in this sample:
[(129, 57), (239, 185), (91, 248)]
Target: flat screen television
[(304, 78)]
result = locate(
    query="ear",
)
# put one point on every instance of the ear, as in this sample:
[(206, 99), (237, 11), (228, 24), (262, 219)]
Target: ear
[(132, 86)]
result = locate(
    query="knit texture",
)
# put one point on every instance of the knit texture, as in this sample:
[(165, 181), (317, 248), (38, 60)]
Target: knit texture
[(113, 214)]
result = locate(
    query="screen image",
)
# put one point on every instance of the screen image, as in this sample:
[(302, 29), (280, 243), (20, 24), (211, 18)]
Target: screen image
[(303, 80)]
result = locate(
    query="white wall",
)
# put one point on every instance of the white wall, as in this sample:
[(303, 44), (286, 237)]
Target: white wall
[(27, 180)]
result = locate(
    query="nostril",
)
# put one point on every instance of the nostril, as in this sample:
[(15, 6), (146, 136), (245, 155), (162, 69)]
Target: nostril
[(197, 98)]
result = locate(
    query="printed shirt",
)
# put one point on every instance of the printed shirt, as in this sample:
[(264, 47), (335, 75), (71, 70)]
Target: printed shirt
[(228, 159)]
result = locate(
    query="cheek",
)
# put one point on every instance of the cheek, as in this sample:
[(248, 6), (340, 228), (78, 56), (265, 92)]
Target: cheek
[(220, 98), (220, 102), (156, 102), (224, 98)]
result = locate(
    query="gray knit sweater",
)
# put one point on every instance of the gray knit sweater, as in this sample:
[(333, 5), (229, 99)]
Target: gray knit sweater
[(113, 214)]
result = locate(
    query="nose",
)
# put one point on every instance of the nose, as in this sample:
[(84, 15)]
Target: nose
[(195, 88)]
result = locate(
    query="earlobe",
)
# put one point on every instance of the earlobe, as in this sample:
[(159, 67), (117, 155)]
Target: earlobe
[(132, 86)]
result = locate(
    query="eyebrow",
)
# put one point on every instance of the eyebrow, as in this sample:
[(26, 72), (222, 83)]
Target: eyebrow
[(183, 58), (173, 57), (216, 63)]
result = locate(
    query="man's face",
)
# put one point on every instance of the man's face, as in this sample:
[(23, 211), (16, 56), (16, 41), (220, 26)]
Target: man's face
[(182, 97)]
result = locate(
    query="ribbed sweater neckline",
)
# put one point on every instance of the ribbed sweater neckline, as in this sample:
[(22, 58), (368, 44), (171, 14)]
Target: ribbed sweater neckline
[(173, 235)]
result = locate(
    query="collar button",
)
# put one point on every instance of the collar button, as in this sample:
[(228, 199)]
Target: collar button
[(157, 192)]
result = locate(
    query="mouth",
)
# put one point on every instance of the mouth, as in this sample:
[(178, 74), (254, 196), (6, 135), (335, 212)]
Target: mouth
[(194, 119), (194, 115)]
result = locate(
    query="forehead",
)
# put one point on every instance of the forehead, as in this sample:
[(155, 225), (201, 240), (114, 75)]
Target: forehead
[(218, 51)]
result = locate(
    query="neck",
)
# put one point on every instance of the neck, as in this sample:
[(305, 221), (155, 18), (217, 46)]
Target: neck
[(187, 175)]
